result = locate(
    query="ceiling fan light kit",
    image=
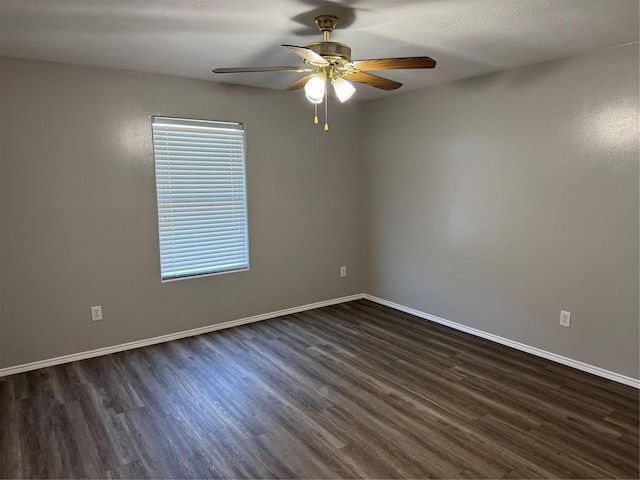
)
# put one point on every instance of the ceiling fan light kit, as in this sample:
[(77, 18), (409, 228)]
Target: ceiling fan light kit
[(344, 90), (328, 61), (314, 89)]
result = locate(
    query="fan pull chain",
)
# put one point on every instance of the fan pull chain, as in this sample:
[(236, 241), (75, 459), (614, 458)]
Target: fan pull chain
[(315, 111), (326, 110)]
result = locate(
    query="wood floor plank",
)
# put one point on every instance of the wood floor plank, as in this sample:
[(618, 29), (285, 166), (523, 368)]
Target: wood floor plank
[(355, 390)]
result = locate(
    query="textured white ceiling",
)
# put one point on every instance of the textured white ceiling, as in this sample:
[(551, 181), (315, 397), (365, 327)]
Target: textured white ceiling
[(188, 38)]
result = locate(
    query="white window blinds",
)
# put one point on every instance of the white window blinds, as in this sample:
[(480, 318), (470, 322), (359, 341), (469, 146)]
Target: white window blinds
[(202, 206)]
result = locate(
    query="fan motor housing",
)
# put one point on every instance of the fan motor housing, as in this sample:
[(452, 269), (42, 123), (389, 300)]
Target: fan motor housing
[(331, 49)]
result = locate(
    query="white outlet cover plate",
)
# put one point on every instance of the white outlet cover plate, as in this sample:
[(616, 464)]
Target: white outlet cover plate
[(96, 313)]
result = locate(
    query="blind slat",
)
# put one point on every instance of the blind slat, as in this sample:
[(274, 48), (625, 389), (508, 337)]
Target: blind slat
[(201, 192)]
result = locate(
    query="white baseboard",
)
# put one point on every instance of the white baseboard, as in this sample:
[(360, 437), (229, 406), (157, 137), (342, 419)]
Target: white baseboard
[(616, 377), (585, 367), (172, 336)]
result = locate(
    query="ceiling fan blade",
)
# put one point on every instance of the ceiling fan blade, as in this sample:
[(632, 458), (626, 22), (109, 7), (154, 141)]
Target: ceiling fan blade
[(260, 69), (308, 55), (394, 63), (298, 84), (374, 80)]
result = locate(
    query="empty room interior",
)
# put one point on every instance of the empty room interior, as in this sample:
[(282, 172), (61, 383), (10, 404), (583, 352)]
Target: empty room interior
[(314, 239)]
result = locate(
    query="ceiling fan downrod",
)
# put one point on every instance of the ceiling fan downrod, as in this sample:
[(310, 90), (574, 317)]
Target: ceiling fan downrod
[(326, 24), (336, 53)]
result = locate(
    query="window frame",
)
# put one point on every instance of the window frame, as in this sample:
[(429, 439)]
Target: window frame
[(240, 221)]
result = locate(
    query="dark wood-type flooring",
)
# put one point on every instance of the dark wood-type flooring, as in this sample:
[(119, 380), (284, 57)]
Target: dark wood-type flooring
[(353, 390)]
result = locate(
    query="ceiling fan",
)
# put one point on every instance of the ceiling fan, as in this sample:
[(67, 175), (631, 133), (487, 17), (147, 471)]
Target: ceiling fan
[(328, 61)]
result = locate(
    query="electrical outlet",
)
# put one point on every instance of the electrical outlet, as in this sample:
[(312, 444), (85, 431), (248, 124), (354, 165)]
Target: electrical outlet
[(343, 271), (565, 318), (96, 313)]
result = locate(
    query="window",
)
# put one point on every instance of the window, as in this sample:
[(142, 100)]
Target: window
[(202, 201)]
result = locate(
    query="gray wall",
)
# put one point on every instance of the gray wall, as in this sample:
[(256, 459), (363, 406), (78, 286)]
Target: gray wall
[(78, 223), (495, 202)]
